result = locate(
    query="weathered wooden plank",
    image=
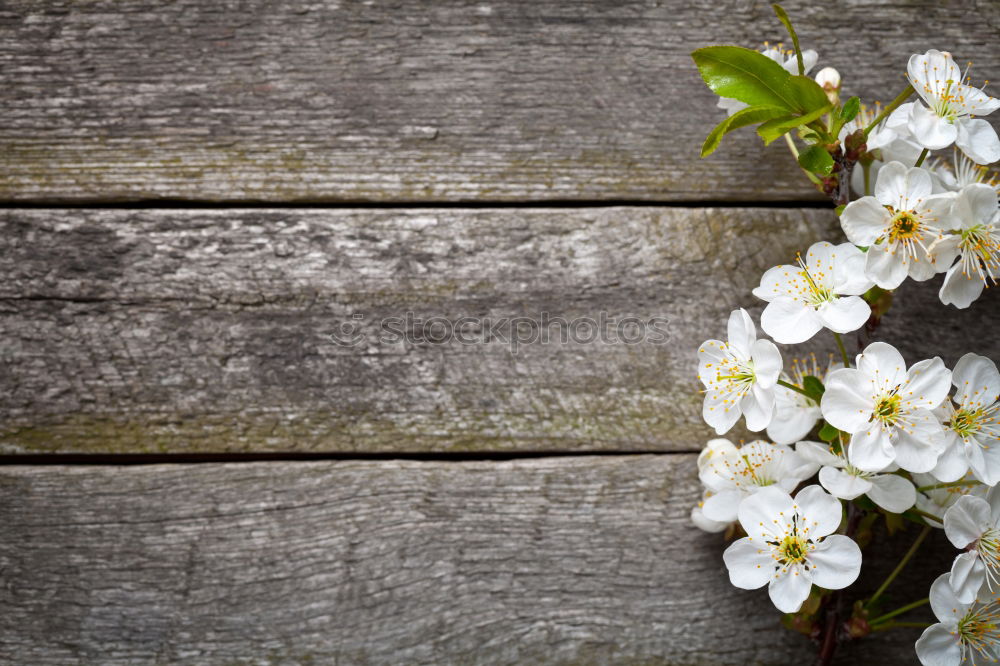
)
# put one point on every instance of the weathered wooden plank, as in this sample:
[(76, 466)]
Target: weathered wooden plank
[(208, 330), (409, 101), (585, 560)]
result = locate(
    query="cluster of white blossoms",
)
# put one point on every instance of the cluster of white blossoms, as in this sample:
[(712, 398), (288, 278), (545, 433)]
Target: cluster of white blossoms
[(870, 435)]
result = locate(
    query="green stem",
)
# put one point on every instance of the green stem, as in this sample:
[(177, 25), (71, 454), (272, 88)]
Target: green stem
[(923, 156), (795, 154), (899, 567), (950, 484), (902, 97), (782, 382), (893, 625), (843, 350), (899, 611), (867, 170), (924, 514)]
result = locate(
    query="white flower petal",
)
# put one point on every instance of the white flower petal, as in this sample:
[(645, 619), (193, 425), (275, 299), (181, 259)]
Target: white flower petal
[(759, 513), (931, 130), (749, 565), (952, 464), (837, 562), (887, 268), (966, 520), (938, 646), (977, 139), (927, 384), (790, 321), (893, 493), (871, 450), (721, 410), (864, 220), (722, 506), (966, 577), (766, 363), (977, 380), (819, 510), (758, 407), (819, 453), (842, 484), (845, 314), (849, 277), (789, 590), (960, 289), (883, 361), (791, 422), (742, 332), (946, 606), (919, 444), (847, 402)]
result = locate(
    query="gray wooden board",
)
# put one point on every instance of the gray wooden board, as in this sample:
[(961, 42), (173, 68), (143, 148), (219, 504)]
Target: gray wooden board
[(576, 560), (142, 331), (412, 101)]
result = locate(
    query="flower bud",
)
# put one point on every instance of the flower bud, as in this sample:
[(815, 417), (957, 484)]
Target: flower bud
[(828, 78)]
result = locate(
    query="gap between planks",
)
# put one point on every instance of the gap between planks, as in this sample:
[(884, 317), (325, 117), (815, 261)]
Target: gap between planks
[(292, 456)]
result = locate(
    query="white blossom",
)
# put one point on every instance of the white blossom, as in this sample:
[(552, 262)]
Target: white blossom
[(952, 105), (975, 240), (732, 473), (972, 422), (887, 409), (841, 479), (739, 376), (966, 632), (823, 290), (898, 225), (973, 524), (791, 545)]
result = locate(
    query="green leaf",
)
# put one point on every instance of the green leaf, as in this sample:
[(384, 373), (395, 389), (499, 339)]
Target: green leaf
[(850, 110), (749, 76), (783, 17), (808, 94), (742, 118), (813, 386), (778, 127), (828, 433), (816, 159)]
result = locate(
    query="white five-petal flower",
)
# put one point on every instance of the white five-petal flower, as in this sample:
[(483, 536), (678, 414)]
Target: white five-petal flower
[(973, 524), (887, 409), (791, 545), (965, 631), (898, 225), (732, 473), (824, 289), (739, 376), (972, 422), (951, 106), (976, 241)]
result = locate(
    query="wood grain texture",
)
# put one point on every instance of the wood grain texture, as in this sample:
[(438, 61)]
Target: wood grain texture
[(136, 331), (277, 100), (550, 561)]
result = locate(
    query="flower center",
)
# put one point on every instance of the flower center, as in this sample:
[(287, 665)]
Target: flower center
[(793, 549), (980, 249), (817, 293), (979, 631), (887, 409), (905, 226), (988, 547), (966, 422)]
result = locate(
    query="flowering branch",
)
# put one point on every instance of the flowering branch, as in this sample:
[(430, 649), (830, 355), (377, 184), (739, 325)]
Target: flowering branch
[(912, 441)]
